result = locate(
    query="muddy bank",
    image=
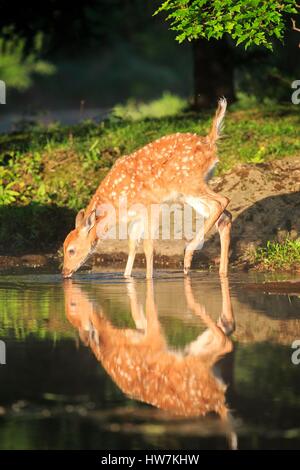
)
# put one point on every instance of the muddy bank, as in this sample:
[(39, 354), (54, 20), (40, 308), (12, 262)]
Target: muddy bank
[(30, 261), (265, 204), (280, 287), (117, 260)]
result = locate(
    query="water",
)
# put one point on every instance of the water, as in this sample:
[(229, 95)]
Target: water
[(79, 374)]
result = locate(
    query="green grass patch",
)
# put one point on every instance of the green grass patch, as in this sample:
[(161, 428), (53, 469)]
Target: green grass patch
[(282, 256), (167, 105)]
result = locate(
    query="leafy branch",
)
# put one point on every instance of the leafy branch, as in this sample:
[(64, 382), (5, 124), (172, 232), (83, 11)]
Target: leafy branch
[(248, 22)]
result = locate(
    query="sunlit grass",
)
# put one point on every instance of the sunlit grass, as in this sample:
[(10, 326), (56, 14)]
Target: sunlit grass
[(283, 256), (167, 105)]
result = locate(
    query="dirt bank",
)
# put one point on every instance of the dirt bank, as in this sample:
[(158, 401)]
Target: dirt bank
[(280, 287)]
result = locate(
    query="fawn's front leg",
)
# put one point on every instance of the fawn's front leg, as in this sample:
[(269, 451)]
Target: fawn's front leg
[(148, 249), (137, 312), (132, 244), (135, 232)]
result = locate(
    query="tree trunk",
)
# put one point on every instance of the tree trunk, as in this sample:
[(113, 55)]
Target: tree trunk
[(213, 72)]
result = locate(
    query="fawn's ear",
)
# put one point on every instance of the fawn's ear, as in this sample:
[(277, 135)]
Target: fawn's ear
[(90, 221), (79, 218)]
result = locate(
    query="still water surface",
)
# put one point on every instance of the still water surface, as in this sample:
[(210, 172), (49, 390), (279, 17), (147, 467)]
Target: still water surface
[(101, 362)]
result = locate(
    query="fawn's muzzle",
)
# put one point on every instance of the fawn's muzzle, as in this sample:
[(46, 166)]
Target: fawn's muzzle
[(67, 273)]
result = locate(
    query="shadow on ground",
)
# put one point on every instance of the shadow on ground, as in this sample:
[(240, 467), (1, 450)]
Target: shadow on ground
[(33, 228), (271, 218)]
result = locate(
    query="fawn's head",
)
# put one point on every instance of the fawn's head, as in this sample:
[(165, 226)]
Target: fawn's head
[(80, 243), (79, 310)]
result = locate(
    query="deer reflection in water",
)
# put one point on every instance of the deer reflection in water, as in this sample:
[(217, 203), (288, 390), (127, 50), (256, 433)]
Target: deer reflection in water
[(140, 362)]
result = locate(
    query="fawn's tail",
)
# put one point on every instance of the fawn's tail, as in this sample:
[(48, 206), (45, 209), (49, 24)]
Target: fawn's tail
[(217, 124)]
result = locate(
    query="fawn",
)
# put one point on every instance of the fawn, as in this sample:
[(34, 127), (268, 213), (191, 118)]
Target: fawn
[(173, 168), (184, 383)]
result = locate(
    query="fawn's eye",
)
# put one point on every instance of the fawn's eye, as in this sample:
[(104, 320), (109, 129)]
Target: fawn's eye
[(71, 251)]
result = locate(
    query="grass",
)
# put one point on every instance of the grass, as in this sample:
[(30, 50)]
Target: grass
[(167, 105), (60, 167), (279, 256)]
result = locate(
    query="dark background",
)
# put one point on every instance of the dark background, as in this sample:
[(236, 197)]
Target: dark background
[(106, 51)]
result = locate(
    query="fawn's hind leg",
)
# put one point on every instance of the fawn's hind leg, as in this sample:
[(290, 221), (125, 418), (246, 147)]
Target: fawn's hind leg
[(223, 225), (226, 320), (210, 206), (213, 342)]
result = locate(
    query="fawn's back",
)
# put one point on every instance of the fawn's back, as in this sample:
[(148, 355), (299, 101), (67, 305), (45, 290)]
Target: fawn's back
[(173, 164)]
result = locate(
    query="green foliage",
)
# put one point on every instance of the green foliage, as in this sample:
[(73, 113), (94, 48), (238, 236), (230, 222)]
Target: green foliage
[(275, 255), (17, 66), (248, 22), (13, 185), (168, 105), (24, 313), (7, 193), (38, 227)]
